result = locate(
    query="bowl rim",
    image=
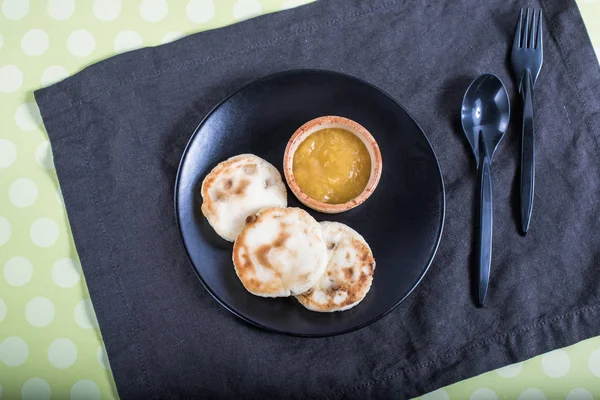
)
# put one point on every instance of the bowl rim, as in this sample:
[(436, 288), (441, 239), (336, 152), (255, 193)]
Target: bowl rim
[(324, 122)]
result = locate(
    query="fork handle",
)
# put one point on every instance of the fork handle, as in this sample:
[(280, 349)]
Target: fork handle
[(527, 152)]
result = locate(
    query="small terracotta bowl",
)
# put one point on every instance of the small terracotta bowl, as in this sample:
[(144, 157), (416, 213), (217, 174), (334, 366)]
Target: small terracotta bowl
[(326, 122)]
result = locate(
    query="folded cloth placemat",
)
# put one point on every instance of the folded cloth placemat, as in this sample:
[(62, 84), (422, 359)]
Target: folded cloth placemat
[(118, 129)]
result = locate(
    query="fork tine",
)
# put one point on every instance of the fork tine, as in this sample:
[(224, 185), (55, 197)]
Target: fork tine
[(527, 32), (517, 40), (533, 35), (539, 42)]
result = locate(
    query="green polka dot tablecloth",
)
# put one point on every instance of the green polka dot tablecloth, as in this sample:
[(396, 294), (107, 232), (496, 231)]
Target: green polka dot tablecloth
[(50, 344)]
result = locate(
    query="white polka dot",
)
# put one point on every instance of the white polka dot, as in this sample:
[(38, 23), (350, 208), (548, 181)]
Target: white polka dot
[(5, 230), (532, 394), (13, 351), (107, 10), (85, 390), (483, 394), (579, 394), (35, 389), (244, 9), (171, 36), (35, 42), (510, 371), (127, 40), (60, 9), (43, 155), (18, 271), (62, 353), (153, 10), (65, 273), (59, 197), (200, 11), (8, 153), (439, 394), (27, 116), (287, 4), (11, 79), (556, 363), (39, 312), (2, 310), (53, 74), (101, 357), (23, 192), (84, 315), (15, 9), (594, 363), (81, 43), (44, 232)]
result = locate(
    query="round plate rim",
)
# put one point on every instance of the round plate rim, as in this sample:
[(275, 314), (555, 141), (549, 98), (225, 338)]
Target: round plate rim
[(231, 309)]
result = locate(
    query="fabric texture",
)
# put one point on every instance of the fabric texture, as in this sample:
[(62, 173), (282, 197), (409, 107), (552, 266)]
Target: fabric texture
[(118, 129)]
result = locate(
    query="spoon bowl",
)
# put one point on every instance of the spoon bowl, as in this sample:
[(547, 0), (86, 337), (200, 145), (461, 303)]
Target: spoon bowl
[(485, 112)]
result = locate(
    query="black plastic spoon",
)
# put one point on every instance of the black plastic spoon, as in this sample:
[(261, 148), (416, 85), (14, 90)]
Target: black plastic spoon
[(484, 115)]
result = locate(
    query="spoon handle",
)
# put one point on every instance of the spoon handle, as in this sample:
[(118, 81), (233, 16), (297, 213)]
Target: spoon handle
[(484, 239), (527, 153)]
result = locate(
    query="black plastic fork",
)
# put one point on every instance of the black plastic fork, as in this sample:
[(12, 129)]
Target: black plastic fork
[(527, 57)]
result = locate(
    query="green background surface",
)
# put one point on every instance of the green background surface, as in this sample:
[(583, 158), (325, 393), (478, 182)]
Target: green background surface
[(50, 344)]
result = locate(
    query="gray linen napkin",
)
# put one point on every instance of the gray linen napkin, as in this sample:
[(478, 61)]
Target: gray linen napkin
[(118, 129)]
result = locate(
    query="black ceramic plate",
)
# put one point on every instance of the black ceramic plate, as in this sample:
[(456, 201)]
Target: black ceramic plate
[(402, 221)]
